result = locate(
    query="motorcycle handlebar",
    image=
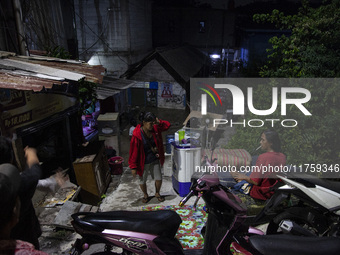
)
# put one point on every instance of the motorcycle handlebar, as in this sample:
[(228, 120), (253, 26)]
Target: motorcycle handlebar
[(186, 198)]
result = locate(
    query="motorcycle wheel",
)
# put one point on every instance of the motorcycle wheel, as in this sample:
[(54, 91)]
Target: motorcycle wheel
[(114, 253), (297, 215)]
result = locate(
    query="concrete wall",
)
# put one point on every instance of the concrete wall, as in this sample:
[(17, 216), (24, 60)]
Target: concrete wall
[(113, 33), (182, 25), (170, 94)]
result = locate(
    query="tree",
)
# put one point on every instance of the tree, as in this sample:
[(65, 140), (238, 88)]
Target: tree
[(312, 51)]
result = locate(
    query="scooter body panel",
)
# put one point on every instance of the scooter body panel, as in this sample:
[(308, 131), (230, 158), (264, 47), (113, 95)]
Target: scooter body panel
[(135, 242), (323, 196), (139, 243)]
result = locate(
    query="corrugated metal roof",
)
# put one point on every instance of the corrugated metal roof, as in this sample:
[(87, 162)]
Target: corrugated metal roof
[(24, 82), (186, 61), (37, 68), (37, 72), (6, 54), (115, 83), (180, 62), (103, 93), (92, 73), (112, 86)]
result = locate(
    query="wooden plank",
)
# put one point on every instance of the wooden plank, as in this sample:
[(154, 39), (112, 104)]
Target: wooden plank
[(75, 196), (85, 208), (63, 219), (4, 54), (94, 209), (47, 216)]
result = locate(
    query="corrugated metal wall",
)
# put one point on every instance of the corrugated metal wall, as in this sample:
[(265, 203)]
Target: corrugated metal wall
[(44, 24), (113, 33)]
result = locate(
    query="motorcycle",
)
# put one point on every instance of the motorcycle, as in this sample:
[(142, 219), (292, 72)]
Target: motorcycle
[(304, 205), (304, 213), (226, 230), (153, 232), (285, 244)]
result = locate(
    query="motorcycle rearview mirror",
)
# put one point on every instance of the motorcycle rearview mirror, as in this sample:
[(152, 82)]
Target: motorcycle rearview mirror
[(195, 204), (194, 178)]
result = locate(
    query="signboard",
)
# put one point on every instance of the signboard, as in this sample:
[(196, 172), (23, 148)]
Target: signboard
[(21, 108)]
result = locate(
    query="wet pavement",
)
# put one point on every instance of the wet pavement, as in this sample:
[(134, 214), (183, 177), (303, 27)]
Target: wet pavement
[(123, 192)]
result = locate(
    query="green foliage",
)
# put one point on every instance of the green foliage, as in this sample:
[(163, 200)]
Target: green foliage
[(58, 52), (315, 139), (312, 51), (87, 95)]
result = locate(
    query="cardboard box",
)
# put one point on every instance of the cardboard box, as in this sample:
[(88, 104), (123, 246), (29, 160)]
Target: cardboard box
[(108, 123)]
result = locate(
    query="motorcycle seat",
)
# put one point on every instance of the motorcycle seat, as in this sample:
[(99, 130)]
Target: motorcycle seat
[(295, 245), (331, 185), (161, 223)]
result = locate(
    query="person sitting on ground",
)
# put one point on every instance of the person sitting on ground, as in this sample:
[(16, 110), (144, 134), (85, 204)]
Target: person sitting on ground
[(259, 182), (147, 152), (9, 212)]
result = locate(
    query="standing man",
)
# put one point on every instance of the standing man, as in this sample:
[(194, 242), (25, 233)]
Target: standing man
[(147, 152)]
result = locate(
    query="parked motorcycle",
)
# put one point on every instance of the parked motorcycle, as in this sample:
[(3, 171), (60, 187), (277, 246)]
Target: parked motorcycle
[(304, 205), (286, 245), (304, 212), (226, 231), (153, 232)]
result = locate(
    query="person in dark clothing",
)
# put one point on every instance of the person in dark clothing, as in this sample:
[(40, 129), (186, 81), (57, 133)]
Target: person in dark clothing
[(10, 212), (28, 228)]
